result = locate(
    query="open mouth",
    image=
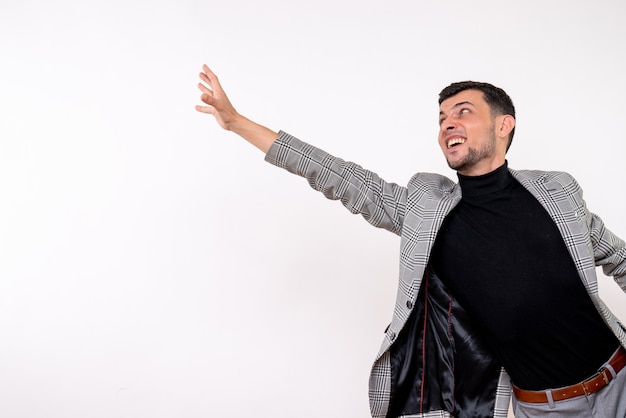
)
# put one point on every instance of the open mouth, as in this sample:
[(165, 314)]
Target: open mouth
[(453, 142)]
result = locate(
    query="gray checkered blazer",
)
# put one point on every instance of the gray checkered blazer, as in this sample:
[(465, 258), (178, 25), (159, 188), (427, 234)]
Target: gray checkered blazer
[(416, 212)]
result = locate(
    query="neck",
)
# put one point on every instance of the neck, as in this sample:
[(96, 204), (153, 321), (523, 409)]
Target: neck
[(483, 167), (494, 181)]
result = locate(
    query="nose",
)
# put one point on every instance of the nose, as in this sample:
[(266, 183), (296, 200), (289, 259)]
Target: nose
[(448, 124)]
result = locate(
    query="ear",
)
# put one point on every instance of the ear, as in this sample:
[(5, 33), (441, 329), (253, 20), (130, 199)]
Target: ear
[(504, 125)]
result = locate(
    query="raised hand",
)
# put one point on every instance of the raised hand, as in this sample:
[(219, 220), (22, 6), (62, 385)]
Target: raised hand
[(218, 105)]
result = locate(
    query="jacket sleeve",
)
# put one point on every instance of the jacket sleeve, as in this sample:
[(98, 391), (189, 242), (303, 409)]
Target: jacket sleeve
[(361, 191), (609, 250)]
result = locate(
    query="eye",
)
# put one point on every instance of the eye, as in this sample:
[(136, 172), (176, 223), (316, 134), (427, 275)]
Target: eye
[(463, 111)]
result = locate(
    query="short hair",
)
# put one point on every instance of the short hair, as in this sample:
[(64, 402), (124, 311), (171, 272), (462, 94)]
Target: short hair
[(499, 102)]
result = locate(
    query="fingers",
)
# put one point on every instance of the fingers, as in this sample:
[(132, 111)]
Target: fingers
[(210, 78), (210, 75), (205, 78), (208, 99), (215, 101), (205, 109), (207, 93), (210, 86), (204, 89)]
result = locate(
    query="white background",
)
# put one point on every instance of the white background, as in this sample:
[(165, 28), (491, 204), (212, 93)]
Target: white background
[(152, 265)]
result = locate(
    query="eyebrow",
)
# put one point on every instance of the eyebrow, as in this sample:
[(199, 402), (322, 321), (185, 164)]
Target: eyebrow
[(441, 112)]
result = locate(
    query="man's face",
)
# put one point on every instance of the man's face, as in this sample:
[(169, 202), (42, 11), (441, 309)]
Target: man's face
[(467, 134)]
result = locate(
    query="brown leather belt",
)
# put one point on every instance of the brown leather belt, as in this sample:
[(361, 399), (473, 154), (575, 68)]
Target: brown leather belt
[(589, 386)]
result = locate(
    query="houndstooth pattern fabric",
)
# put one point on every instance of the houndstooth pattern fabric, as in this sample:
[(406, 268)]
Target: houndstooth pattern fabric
[(416, 212)]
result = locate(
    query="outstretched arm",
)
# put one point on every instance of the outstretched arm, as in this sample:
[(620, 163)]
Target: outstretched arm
[(218, 105)]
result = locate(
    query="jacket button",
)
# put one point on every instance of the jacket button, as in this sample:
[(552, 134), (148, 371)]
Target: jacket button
[(409, 304)]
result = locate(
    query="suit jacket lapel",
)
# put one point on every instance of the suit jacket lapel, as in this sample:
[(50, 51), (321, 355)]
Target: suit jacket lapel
[(569, 219)]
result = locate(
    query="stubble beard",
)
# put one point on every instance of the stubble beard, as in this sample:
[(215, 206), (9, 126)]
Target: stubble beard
[(474, 156)]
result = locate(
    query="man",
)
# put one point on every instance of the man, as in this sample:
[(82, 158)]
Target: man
[(497, 272)]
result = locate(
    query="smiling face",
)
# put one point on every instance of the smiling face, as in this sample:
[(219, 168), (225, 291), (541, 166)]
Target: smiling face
[(472, 139)]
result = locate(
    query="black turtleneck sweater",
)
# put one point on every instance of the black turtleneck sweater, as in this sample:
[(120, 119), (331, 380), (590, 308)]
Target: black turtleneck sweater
[(503, 258)]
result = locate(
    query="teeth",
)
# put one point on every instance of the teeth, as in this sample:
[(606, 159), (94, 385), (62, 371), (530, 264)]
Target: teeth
[(455, 141)]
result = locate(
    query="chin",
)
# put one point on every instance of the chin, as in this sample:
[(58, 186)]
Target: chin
[(455, 165)]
